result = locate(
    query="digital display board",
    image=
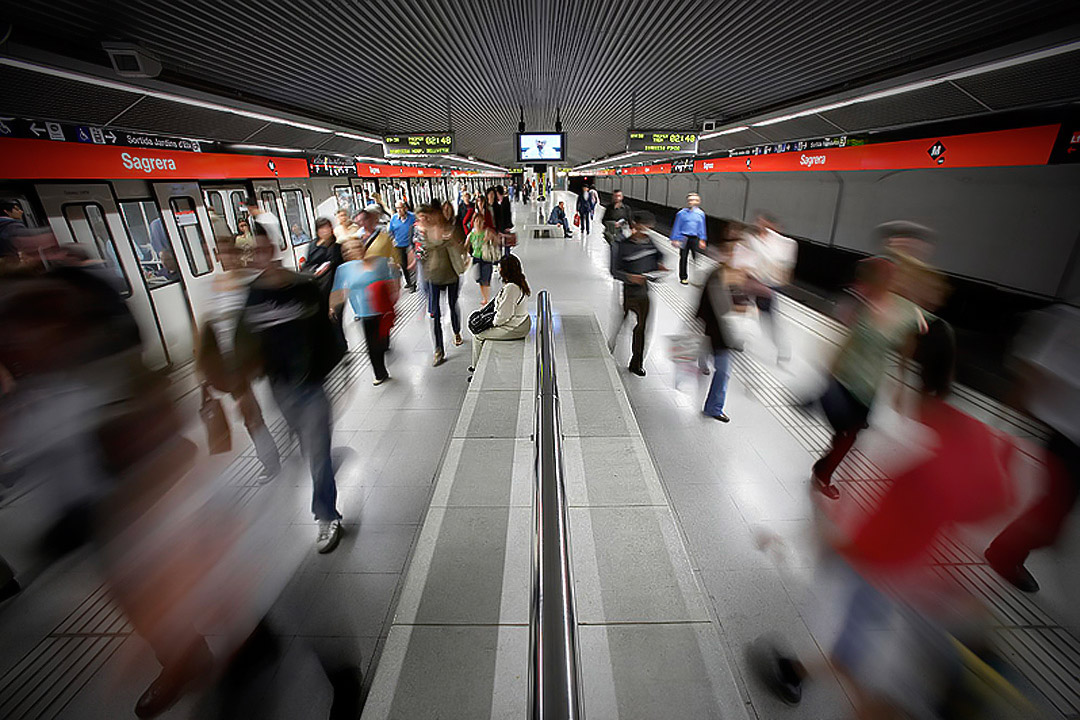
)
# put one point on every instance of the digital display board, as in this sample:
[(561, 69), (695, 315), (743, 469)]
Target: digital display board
[(547, 147), (661, 141), (417, 144)]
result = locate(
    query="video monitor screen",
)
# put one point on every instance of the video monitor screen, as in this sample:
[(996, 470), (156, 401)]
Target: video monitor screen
[(546, 147)]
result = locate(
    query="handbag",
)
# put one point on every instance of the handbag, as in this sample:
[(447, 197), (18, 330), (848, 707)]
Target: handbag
[(218, 435), (489, 252), (482, 319), (577, 219), (508, 239)]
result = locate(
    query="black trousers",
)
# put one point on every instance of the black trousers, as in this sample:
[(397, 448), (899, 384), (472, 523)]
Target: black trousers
[(690, 245), (403, 259), (376, 345), (639, 305)]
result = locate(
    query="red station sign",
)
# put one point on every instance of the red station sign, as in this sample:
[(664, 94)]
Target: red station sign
[(22, 159)]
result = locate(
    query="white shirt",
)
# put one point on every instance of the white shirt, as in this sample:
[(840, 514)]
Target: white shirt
[(511, 306), (769, 256)]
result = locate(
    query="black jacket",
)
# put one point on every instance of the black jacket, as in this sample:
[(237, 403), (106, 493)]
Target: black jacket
[(318, 256), (714, 304), (583, 205), (631, 257)]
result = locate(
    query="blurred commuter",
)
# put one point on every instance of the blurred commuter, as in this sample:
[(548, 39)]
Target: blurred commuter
[(264, 221), (558, 217), (883, 323), (583, 211), (504, 219), (465, 210), (402, 227), (887, 563), (9, 585), (373, 234), (358, 282), (245, 239), (1049, 369), (12, 226), (768, 264), (285, 333), (594, 201), (215, 357), (714, 310), (689, 233), (618, 218), (344, 228), (511, 319), (484, 246), (323, 260), (635, 261), (444, 261)]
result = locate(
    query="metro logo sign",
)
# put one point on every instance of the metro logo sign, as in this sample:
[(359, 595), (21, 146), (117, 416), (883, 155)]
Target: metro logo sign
[(47, 160)]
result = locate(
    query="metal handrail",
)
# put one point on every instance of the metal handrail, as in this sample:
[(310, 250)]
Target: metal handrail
[(554, 676)]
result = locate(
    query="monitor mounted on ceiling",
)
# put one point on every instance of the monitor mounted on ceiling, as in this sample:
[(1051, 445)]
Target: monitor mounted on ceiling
[(541, 147)]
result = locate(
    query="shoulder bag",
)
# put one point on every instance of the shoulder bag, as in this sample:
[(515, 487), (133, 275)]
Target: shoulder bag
[(218, 435), (482, 319)]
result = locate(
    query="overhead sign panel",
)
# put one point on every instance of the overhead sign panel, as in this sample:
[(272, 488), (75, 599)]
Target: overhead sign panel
[(30, 129), (331, 166), (418, 144), (661, 141)]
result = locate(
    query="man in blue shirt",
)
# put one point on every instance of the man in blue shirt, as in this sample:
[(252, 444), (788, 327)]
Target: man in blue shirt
[(689, 232), (353, 281), (401, 229)]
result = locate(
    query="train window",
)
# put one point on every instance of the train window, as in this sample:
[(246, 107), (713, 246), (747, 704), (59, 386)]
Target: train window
[(191, 235), (86, 221), (217, 204), (344, 195), (239, 203), (296, 216), (269, 204), (151, 243)]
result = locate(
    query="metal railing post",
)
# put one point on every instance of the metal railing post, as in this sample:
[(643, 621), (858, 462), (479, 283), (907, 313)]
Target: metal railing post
[(554, 675)]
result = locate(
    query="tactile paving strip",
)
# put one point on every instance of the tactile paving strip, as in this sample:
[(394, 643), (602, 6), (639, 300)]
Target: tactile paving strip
[(42, 683), (1044, 652)]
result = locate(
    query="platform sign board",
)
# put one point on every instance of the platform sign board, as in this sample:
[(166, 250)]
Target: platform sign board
[(30, 129), (331, 166), (661, 141), (683, 165), (418, 144)]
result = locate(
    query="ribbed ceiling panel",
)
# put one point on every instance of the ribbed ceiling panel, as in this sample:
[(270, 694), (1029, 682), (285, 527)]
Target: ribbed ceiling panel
[(32, 95), (275, 134), (403, 65), (804, 127), (931, 103), (1053, 79), (163, 116)]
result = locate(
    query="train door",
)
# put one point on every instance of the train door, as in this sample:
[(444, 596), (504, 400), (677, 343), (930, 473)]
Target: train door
[(347, 198), (227, 202), (267, 192), (87, 216), (187, 223), (296, 205)]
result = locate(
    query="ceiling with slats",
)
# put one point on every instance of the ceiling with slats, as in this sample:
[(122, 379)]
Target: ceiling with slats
[(426, 65)]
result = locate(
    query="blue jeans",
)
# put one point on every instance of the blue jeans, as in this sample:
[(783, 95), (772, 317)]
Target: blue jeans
[(436, 310), (714, 403), (307, 412)]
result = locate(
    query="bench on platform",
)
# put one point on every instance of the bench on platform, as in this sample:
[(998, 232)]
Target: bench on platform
[(535, 231)]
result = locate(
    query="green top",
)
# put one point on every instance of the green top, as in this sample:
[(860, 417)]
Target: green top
[(476, 242), (861, 364)]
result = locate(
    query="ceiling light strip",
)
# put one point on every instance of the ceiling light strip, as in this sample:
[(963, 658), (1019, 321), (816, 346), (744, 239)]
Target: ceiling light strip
[(919, 85), (112, 85)]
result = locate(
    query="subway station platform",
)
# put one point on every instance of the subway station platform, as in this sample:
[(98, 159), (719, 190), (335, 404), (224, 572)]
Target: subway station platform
[(428, 593)]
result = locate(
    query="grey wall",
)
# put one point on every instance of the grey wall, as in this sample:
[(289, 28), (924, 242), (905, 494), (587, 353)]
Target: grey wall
[(1014, 227)]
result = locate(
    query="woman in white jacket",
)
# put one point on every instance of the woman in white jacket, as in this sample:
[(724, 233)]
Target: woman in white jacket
[(512, 321)]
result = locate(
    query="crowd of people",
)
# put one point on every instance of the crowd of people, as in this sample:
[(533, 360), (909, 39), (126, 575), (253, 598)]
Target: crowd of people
[(80, 407)]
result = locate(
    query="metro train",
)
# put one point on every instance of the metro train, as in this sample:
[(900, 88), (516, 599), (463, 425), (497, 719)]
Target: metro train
[(134, 225)]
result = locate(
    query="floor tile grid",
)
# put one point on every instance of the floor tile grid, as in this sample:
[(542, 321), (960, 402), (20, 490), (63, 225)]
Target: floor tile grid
[(35, 677), (860, 484), (596, 636)]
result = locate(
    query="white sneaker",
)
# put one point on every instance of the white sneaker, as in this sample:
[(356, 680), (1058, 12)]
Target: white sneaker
[(329, 535)]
